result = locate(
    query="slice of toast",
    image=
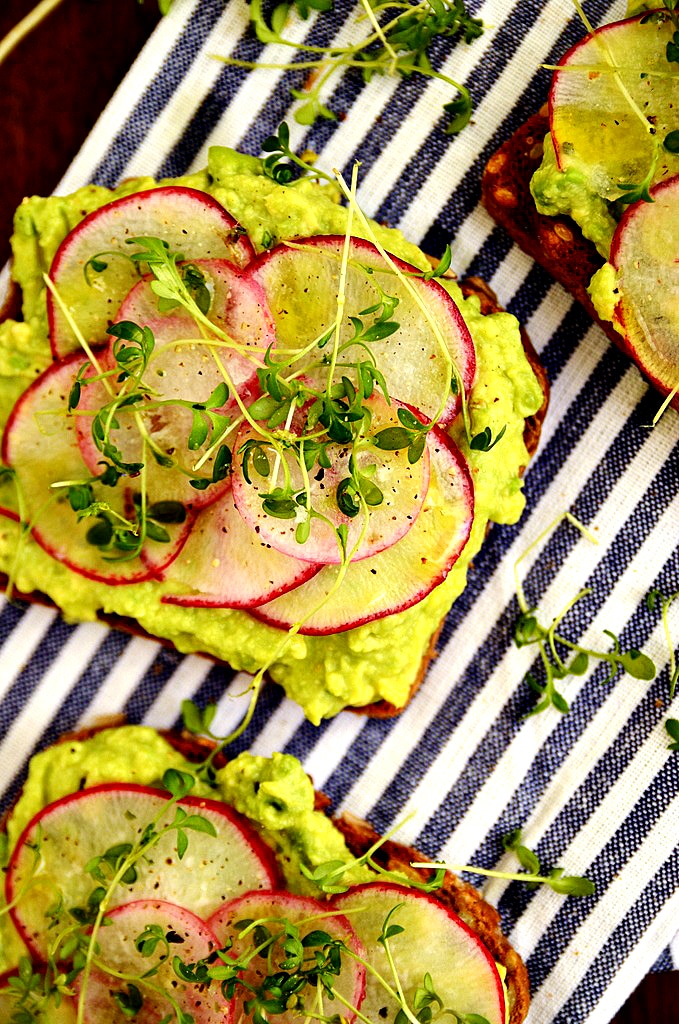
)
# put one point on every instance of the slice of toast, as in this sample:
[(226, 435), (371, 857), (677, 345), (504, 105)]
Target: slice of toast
[(381, 709), (556, 243), (460, 896)]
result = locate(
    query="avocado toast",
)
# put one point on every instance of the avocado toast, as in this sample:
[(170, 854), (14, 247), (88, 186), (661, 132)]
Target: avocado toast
[(589, 185), (351, 657), (276, 845)]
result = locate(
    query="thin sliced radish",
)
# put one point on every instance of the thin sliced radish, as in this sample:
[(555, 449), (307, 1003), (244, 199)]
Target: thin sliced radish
[(238, 306), (41, 445), (72, 831), (433, 941), (191, 222), (308, 915), (301, 281), (595, 128), (179, 373), (187, 937), (645, 253), (399, 577), (403, 487), (227, 565)]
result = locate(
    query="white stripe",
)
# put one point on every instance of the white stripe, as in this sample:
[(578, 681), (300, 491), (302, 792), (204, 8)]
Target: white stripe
[(342, 733), (279, 729), (42, 705), (124, 677), (22, 642), (182, 685)]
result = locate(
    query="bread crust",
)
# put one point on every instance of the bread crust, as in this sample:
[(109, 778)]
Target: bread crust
[(533, 425), (556, 243), (359, 835)]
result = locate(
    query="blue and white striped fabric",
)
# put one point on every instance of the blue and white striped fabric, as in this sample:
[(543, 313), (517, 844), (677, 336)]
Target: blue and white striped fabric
[(596, 790)]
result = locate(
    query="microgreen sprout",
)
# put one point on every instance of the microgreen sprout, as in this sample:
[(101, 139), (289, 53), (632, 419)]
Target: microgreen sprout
[(672, 730), (554, 647), (396, 44), (565, 885)]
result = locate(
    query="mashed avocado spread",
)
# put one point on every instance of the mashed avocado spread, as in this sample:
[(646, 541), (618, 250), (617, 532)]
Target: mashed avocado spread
[(379, 660), (273, 793)]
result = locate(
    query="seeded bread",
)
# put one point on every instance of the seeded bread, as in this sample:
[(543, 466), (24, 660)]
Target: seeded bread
[(556, 243), (461, 897)]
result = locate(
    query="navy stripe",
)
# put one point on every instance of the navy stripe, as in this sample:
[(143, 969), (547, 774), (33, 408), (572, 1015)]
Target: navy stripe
[(620, 847), (305, 739), (153, 101), (152, 682), (10, 617), (30, 675), (73, 707), (269, 701)]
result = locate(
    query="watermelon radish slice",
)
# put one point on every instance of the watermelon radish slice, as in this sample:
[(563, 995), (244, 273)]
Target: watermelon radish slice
[(187, 936), (302, 285), (645, 253), (227, 565), (595, 128), (403, 488), (40, 419), (84, 825), (399, 577), (191, 222), (273, 908), (434, 941)]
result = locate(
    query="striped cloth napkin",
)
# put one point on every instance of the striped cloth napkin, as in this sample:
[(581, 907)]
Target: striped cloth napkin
[(595, 790)]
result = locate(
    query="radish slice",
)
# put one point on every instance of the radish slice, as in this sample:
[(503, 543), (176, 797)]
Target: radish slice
[(227, 565), (191, 222), (272, 909), (84, 825), (434, 941), (40, 419), (403, 487), (595, 128), (179, 373), (187, 936), (399, 577), (238, 306), (644, 251), (301, 281)]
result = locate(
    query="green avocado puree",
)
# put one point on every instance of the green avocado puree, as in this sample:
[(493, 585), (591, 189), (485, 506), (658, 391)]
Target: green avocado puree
[(274, 793), (379, 660)]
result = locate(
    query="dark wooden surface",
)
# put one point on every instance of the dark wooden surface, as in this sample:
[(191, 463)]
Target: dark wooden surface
[(52, 88)]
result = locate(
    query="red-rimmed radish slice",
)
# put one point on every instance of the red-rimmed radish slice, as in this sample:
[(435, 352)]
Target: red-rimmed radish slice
[(399, 577), (645, 252), (227, 565), (178, 373), (434, 941), (41, 445), (273, 908), (301, 281), (72, 831), (238, 307), (403, 488), (187, 936), (191, 222), (594, 126)]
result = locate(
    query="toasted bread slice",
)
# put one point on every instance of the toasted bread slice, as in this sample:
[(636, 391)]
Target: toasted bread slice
[(460, 896), (379, 709), (556, 243)]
